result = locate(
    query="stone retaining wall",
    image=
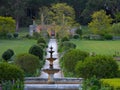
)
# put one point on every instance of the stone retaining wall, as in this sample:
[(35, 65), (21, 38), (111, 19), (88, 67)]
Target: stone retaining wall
[(37, 80)]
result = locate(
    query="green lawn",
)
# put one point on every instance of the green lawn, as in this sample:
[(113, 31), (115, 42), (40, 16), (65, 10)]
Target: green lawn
[(19, 46), (99, 47)]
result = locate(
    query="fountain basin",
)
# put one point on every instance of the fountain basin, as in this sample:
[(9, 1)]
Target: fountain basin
[(51, 71)]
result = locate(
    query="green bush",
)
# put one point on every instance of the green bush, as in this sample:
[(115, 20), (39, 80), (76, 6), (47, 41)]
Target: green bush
[(29, 63), (100, 66), (36, 35), (37, 51), (108, 37), (113, 83), (7, 54), (70, 59), (66, 45), (15, 35), (10, 72), (76, 36), (43, 45), (41, 40), (64, 39), (79, 31), (9, 35)]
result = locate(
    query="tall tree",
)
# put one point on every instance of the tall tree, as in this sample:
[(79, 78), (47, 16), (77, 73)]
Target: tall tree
[(100, 22)]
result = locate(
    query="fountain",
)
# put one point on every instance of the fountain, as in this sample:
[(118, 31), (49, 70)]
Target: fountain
[(51, 70)]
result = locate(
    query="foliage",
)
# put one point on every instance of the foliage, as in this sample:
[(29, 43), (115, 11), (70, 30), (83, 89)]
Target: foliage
[(15, 35), (7, 25), (37, 51), (9, 35), (108, 37), (63, 18), (91, 84), (41, 40), (113, 83), (10, 72), (101, 66), (116, 28), (76, 36), (70, 59), (12, 85), (7, 54), (79, 31), (64, 39), (61, 12), (100, 23), (66, 45), (36, 35), (29, 63)]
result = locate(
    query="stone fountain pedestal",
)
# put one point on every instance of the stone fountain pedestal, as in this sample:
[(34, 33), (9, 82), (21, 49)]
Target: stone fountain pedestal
[(51, 70)]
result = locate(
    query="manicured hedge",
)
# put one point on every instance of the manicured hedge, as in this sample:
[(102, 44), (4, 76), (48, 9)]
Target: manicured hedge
[(113, 83), (10, 72), (29, 63), (101, 66), (70, 59)]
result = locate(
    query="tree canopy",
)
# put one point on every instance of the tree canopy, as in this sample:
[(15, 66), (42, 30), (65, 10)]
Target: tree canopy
[(100, 22)]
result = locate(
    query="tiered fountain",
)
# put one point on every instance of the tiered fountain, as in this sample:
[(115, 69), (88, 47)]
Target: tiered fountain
[(51, 70)]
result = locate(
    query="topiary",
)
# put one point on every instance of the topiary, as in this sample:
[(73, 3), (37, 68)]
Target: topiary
[(37, 51), (7, 54), (64, 39), (10, 72), (29, 63), (41, 40), (15, 35), (76, 36), (70, 59), (100, 66), (9, 35)]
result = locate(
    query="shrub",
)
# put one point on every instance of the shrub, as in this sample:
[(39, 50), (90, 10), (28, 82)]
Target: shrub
[(64, 39), (9, 35), (41, 40), (10, 72), (7, 54), (100, 66), (108, 37), (66, 45), (79, 31), (29, 63), (42, 45), (114, 83), (36, 35), (37, 51), (71, 58), (76, 36), (15, 35)]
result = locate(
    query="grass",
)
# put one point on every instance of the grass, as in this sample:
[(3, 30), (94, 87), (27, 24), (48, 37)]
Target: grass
[(98, 47), (19, 46)]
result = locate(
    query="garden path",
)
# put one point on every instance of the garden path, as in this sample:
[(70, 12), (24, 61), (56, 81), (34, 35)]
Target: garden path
[(56, 65)]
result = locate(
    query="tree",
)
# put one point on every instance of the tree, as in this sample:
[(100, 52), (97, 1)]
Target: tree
[(7, 25), (100, 23), (62, 15), (116, 28)]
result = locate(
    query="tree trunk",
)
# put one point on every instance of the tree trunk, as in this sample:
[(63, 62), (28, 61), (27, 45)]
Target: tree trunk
[(17, 24)]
